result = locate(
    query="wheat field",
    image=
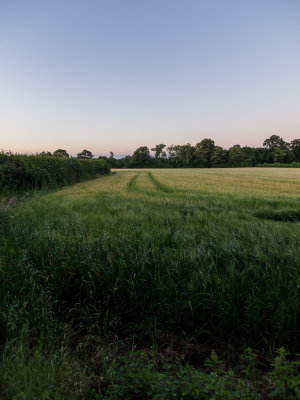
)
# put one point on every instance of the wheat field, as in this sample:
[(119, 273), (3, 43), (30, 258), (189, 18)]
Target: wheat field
[(208, 254)]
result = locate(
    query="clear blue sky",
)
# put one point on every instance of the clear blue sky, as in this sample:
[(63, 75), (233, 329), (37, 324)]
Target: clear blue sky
[(119, 74)]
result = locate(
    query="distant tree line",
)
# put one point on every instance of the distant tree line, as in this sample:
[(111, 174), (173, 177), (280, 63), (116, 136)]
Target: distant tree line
[(204, 154)]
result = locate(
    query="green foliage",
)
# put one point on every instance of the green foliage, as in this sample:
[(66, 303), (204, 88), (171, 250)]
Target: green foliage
[(275, 141), (219, 156), (60, 153), (279, 149), (182, 155), (278, 165), (140, 380), (285, 377), (141, 157), (204, 152), (295, 148), (159, 155), (251, 363), (19, 173), (85, 154), (215, 364), (236, 155)]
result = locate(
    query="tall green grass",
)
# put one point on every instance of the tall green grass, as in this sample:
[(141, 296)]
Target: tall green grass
[(208, 265), (109, 257)]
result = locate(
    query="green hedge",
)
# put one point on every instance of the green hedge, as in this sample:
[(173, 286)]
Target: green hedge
[(294, 164), (19, 173)]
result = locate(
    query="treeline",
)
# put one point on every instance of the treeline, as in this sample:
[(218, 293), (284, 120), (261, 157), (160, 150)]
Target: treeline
[(19, 173), (206, 154)]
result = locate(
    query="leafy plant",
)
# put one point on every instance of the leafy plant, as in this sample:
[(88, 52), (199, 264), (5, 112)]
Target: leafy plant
[(251, 359), (286, 380)]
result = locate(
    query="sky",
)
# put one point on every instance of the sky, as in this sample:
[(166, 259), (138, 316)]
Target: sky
[(114, 75)]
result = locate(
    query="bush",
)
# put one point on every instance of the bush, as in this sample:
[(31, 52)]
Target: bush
[(140, 380), (19, 173), (294, 164)]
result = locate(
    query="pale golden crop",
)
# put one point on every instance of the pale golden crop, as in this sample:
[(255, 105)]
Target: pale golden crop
[(236, 181), (144, 183), (227, 181)]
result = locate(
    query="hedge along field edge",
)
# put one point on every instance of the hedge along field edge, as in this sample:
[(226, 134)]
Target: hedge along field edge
[(21, 173)]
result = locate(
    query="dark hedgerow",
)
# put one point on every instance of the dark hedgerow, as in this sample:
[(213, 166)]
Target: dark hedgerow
[(20, 173), (294, 164)]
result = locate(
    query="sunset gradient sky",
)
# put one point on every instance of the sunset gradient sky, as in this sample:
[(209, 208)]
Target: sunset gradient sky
[(118, 74)]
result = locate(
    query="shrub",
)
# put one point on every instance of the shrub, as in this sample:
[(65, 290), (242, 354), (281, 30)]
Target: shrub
[(19, 173), (294, 164), (139, 380)]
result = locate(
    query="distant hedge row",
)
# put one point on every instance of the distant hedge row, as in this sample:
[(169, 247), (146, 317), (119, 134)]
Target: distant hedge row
[(279, 165), (19, 173)]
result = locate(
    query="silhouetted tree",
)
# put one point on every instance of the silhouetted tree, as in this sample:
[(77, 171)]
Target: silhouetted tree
[(262, 155), (141, 157), (187, 155), (127, 161), (181, 155), (219, 156), (112, 161), (60, 153), (275, 141), (236, 155), (173, 154), (279, 149), (159, 154), (85, 154), (249, 156), (204, 151), (295, 149)]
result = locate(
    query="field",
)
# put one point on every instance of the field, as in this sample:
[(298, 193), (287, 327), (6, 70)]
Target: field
[(167, 264)]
